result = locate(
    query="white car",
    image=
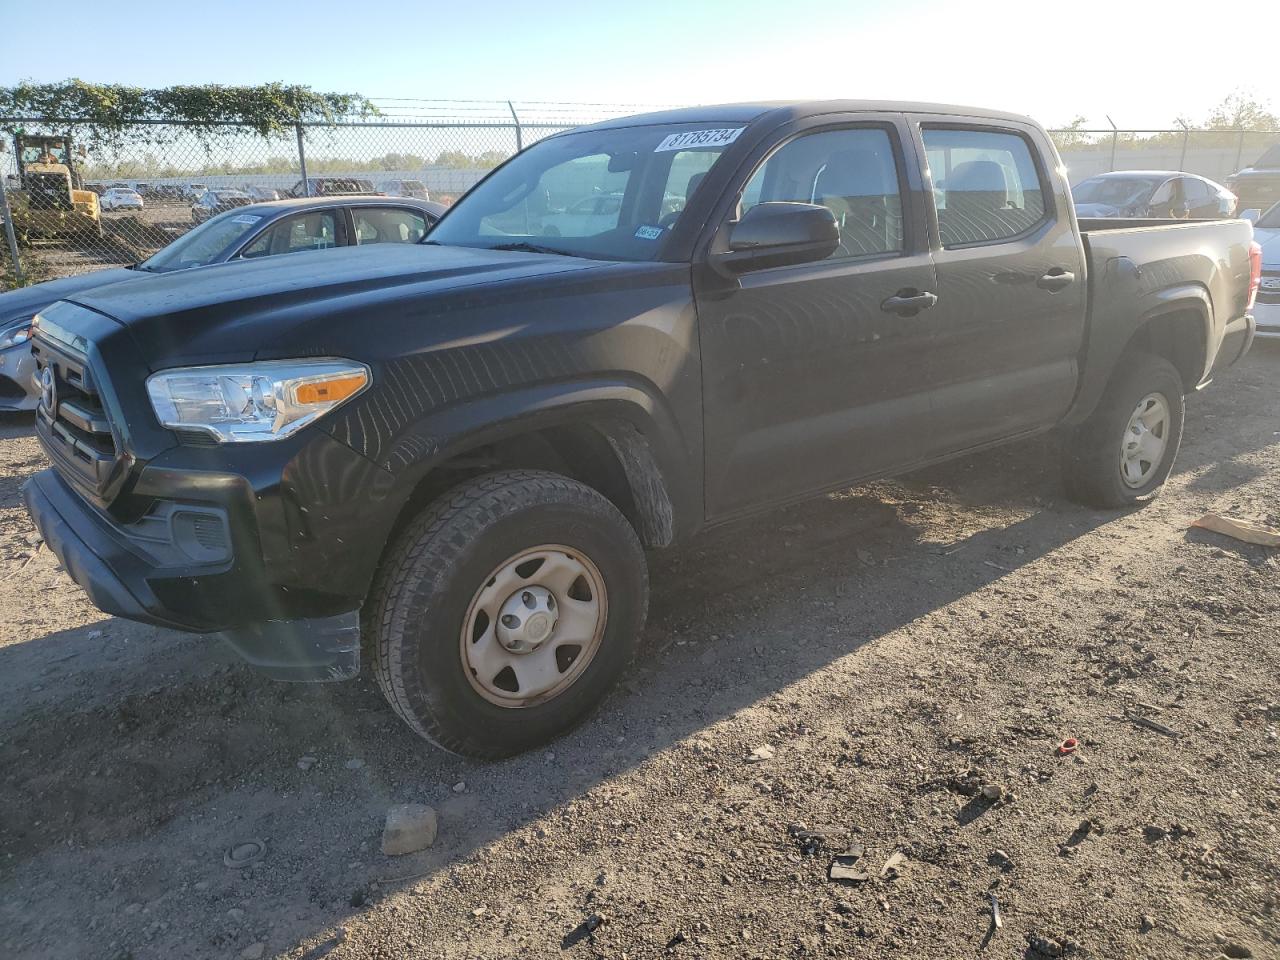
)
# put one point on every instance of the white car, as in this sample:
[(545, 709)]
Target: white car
[(1266, 310), (120, 198), (585, 217)]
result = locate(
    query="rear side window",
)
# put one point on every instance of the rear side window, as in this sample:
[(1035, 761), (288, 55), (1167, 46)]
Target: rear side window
[(986, 185), (388, 225), (852, 173)]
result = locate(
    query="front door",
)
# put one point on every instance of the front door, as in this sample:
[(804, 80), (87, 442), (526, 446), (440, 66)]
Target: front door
[(812, 376), (1010, 316)]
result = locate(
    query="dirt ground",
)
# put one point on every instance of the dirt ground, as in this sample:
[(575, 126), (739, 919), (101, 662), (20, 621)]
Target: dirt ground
[(898, 648)]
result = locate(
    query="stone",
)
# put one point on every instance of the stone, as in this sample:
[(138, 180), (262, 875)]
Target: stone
[(354, 764), (1148, 923), (410, 827), (460, 786), (993, 791), (306, 763)]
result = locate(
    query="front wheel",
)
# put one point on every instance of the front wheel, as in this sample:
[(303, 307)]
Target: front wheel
[(1123, 454), (506, 611)]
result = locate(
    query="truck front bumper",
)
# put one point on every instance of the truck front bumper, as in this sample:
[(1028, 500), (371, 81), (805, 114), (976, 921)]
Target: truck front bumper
[(143, 571)]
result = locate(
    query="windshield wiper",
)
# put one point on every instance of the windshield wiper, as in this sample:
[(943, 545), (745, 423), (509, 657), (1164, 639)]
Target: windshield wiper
[(526, 247)]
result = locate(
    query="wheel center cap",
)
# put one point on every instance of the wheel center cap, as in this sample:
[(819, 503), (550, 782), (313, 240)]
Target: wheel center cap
[(527, 619)]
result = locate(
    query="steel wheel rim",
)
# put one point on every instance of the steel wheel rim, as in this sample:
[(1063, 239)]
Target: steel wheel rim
[(1145, 440), (519, 651)]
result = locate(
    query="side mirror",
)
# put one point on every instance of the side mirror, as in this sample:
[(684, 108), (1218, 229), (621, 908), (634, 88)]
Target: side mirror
[(779, 234), (1253, 215)]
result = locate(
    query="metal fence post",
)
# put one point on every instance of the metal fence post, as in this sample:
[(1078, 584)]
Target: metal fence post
[(9, 234), (1186, 134), (519, 132), (1115, 135), (1239, 151), (302, 162)]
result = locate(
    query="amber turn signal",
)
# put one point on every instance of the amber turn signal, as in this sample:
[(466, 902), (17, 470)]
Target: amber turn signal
[(331, 391)]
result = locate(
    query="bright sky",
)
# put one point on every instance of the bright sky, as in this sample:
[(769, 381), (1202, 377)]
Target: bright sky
[(1141, 61)]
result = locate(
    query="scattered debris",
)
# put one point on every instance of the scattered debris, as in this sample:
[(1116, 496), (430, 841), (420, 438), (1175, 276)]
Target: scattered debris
[(410, 827), (1039, 946), (1239, 530), (998, 858), (997, 921), (243, 854), (1068, 746), (760, 753), (1156, 725), (811, 841), (892, 867), (844, 867)]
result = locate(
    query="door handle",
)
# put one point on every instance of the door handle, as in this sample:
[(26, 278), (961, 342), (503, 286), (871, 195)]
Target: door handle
[(1056, 279), (909, 302)]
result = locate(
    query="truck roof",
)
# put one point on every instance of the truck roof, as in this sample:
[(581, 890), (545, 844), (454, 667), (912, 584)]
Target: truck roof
[(785, 110)]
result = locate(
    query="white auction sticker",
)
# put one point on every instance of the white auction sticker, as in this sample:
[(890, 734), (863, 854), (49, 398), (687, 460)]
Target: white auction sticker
[(245, 218), (699, 138)]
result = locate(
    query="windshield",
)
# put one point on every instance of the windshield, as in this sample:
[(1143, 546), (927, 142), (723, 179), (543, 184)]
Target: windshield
[(604, 194), (202, 245), (1271, 219), (1113, 191)]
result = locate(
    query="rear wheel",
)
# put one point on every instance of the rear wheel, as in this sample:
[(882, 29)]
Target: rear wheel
[(1123, 454), (506, 611)]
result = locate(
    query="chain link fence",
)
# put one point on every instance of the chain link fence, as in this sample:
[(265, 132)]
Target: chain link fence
[(78, 200)]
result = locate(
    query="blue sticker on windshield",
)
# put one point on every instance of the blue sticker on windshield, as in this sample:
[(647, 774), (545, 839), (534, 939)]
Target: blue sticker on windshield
[(648, 233)]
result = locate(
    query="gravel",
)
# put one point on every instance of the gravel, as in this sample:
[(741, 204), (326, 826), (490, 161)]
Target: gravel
[(995, 621)]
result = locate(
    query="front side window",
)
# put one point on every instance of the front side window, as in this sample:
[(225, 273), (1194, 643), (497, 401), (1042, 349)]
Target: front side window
[(850, 172), (203, 244), (986, 185), (316, 230), (388, 225), (611, 194)]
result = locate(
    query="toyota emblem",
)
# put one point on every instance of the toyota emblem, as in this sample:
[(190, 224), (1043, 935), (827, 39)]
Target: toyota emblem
[(49, 390)]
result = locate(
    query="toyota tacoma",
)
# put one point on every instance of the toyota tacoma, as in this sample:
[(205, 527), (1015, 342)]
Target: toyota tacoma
[(448, 459)]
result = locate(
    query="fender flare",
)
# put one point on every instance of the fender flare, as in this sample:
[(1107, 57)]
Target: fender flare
[(638, 426)]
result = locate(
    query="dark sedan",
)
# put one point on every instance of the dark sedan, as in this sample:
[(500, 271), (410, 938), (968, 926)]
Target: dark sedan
[(242, 233), (1164, 194)]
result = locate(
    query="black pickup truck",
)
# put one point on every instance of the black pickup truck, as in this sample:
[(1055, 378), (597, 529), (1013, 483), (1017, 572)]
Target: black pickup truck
[(452, 456)]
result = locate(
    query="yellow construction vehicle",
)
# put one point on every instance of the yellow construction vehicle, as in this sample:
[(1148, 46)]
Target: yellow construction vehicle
[(51, 202)]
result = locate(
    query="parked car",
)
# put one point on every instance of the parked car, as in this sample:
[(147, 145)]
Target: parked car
[(244, 233), (216, 201), (1258, 185), (261, 194), (193, 191), (332, 187), (1163, 194), (584, 217), (1267, 310), (120, 198), (464, 446), (406, 188)]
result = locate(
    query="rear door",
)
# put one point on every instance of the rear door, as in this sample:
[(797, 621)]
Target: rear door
[(1009, 321), (808, 379)]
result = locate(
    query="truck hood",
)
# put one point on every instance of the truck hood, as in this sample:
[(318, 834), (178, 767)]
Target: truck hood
[(227, 312), (19, 304)]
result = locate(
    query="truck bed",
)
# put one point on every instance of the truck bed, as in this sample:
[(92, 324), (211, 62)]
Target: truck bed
[(1138, 268)]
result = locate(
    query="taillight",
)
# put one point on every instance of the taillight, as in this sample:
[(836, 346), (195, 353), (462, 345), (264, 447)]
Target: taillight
[(1255, 272)]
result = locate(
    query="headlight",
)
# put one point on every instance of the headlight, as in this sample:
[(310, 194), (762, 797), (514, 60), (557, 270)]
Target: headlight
[(19, 333), (240, 403)]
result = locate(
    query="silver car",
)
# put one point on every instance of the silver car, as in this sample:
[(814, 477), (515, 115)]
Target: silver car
[(1266, 310)]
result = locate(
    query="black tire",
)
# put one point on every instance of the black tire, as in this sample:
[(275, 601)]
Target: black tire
[(1092, 451), (425, 587)]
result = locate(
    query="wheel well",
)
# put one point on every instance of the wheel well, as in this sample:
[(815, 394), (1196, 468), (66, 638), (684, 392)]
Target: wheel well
[(612, 459), (1179, 338)]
